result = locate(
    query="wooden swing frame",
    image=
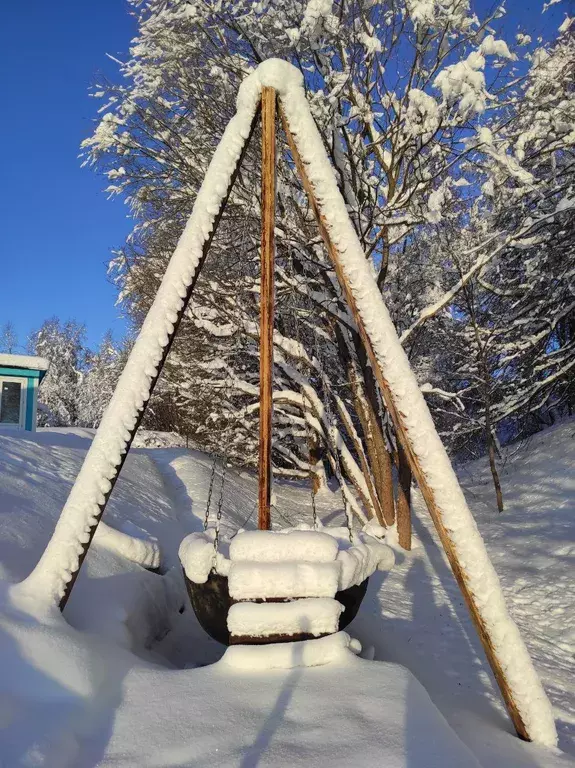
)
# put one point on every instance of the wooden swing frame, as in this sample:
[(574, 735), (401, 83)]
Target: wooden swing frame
[(270, 102)]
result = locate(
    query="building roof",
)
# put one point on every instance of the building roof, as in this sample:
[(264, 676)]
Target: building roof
[(24, 361)]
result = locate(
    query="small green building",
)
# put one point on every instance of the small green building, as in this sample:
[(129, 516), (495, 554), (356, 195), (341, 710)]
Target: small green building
[(20, 376)]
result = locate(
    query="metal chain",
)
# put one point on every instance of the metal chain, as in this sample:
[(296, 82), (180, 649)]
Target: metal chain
[(330, 423), (251, 514), (336, 459), (224, 460), (220, 506), (307, 426), (212, 476), (309, 442), (210, 491), (227, 389), (313, 509)]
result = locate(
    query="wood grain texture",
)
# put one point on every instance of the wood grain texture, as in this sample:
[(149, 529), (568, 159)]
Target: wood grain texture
[(403, 435), (267, 303)]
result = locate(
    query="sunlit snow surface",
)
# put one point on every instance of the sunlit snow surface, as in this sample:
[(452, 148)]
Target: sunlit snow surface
[(68, 698)]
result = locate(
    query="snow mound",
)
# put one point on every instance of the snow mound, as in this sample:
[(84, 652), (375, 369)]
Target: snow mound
[(349, 712), (305, 653), (133, 543), (294, 545), (70, 699), (354, 561), (55, 681), (319, 616), (198, 556)]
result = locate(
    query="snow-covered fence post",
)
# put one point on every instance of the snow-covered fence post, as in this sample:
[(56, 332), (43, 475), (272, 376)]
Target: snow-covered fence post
[(512, 667), (55, 574)]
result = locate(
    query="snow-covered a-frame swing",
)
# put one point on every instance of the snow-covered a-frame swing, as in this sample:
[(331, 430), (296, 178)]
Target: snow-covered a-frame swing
[(55, 574)]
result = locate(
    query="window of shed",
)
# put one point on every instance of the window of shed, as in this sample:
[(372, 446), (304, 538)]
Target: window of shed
[(10, 402)]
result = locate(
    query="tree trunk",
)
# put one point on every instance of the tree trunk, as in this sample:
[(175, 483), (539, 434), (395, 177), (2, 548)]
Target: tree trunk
[(376, 449), (403, 500), (483, 365), (495, 473), (384, 479), (384, 465), (375, 508)]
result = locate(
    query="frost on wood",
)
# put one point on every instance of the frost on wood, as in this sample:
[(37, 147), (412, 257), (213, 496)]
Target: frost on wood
[(358, 561), (198, 557), (277, 555), (132, 543)]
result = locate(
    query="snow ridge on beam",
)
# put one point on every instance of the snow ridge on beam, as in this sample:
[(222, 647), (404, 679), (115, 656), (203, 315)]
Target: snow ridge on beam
[(51, 580)]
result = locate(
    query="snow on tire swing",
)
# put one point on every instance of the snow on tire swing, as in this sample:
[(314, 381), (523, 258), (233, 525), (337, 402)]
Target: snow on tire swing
[(280, 586)]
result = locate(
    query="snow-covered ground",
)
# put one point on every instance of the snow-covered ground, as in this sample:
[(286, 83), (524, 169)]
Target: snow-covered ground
[(123, 686)]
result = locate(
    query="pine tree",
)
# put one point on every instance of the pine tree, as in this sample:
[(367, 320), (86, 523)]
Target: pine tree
[(8, 339), (62, 344), (102, 370)]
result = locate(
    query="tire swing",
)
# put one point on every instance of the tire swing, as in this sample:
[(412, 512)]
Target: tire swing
[(284, 585)]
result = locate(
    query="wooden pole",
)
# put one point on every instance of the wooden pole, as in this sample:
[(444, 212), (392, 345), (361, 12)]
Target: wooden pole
[(267, 303), (153, 382), (403, 499), (402, 433)]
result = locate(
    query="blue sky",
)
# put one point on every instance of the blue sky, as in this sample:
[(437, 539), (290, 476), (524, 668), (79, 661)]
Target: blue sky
[(57, 226)]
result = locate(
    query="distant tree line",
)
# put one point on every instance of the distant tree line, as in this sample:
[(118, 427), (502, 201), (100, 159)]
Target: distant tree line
[(80, 381)]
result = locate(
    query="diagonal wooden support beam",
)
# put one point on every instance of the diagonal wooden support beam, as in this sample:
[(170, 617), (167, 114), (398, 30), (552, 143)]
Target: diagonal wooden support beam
[(165, 352), (399, 423)]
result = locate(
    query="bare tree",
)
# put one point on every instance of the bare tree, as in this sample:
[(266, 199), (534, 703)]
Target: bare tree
[(8, 338)]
